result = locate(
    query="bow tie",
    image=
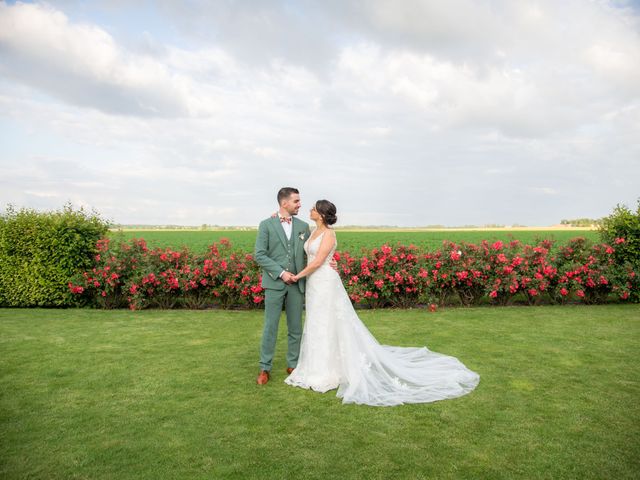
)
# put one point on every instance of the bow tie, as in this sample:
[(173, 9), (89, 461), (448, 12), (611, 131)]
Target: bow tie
[(285, 219)]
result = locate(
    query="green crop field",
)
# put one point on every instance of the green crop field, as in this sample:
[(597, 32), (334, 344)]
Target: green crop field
[(349, 240)]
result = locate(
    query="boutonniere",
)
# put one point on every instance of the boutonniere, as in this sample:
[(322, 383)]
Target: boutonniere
[(301, 236)]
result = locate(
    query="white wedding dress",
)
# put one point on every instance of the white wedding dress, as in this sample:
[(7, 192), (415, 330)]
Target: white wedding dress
[(338, 351)]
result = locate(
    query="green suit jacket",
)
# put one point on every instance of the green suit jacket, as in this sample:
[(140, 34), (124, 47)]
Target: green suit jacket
[(271, 251)]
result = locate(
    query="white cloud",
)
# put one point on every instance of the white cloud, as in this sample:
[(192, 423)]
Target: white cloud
[(407, 113), (453, 95), (82, 64)]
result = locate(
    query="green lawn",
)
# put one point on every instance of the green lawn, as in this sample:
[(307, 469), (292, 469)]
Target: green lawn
[(89, 394)]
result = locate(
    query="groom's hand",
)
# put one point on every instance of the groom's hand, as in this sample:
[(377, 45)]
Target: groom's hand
[(333, 264), (287, 277)]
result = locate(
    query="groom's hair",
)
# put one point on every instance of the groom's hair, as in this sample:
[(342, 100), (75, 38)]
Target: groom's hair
[(286, 192)]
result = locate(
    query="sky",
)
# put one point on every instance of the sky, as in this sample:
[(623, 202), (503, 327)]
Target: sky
[(401, 112)]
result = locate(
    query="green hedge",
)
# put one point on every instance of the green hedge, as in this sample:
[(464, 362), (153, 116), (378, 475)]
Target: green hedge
[(40, 252), (623, 223), (622, 229)]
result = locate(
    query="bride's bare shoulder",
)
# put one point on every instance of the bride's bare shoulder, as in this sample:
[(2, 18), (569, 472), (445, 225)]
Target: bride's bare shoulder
[(330, 236)]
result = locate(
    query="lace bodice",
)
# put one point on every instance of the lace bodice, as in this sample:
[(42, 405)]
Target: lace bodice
[(311, 248)]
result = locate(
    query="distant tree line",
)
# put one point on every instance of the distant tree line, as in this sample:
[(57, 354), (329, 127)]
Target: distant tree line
[(582, 222)]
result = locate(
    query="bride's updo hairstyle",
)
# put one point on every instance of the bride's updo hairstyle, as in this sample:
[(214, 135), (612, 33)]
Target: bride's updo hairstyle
[(327, 211)]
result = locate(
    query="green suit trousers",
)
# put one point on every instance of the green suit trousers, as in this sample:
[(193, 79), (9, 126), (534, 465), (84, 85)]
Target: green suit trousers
[(293, 301)]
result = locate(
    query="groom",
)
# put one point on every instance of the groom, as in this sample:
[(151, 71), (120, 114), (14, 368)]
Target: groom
[(279, 251)]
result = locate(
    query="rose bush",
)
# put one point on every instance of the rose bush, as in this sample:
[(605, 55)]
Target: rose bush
[(130, 274), (592, 274)]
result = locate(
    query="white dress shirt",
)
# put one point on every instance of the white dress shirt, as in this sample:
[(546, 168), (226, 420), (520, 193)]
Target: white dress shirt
[(287, 227)]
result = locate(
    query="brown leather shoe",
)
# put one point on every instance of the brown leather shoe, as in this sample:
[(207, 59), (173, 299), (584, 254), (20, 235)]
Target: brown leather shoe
[(290, 370), (263, 377)]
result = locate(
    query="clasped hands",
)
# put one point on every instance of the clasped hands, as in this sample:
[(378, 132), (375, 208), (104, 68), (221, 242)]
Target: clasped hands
[(289, 278)]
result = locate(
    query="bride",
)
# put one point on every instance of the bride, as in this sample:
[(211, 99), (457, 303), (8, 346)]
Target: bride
[(338, 351)]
